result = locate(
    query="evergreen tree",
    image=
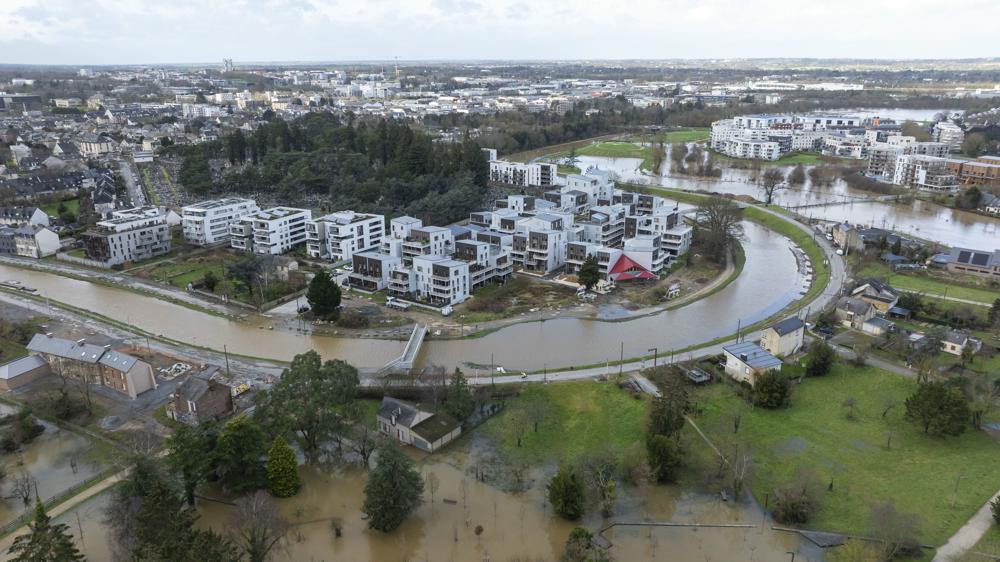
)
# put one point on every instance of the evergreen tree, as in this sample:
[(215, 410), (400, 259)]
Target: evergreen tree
[(282, 469), (459, 402), (239, 453), (189, 455), (590, 272), (897, 246), (393, 490), (939, 408), (566, 494), (45, 541), (772, 390), (164, 531), (664, 454), (821, 358), (323, 294), (666, 416)]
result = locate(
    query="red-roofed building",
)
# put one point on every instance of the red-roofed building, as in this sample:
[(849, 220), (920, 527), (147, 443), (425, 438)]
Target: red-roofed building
[(627, 269)]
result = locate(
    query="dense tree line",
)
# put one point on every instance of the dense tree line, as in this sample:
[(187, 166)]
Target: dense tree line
[(375, 166)]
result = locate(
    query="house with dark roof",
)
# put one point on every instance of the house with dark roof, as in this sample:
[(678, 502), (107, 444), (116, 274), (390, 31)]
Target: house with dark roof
[(784, 338), (878, 293), (853, 312), (201, 397), (411, 424), (975, 262), (17, 216), (94, 364), (746, 361), (955, 342)]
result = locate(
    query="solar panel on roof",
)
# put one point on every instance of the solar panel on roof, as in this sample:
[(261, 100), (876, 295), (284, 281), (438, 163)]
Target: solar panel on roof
[(963, 256), (980, 259)]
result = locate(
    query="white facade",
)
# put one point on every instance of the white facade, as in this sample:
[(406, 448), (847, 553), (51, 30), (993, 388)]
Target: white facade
[(338, 236), (524, 175), (949, 134), (272, 231), (208, 222), (129, 235)]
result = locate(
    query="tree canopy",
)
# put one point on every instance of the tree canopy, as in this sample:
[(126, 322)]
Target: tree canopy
[(393, 490)]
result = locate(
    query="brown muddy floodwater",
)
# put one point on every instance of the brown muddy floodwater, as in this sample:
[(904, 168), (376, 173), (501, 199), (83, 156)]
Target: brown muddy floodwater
[(516, 526), (49, 459), (771, 279)]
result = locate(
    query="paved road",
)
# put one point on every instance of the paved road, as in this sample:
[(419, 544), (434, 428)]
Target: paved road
[(135, 194)]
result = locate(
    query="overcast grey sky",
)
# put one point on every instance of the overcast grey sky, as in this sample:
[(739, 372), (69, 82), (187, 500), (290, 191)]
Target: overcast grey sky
[(161, 31)]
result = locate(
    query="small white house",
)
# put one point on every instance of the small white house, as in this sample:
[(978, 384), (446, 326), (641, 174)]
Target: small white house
[(410, 424), (746, 361)]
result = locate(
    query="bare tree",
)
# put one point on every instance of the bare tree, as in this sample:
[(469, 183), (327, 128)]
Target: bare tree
[(536, 409), (517, 423), (898, 532), (720, 223), (24, 487), (364, 442), (770, 182), (257, 526), (599, 471), (849, 404), (740, 468)]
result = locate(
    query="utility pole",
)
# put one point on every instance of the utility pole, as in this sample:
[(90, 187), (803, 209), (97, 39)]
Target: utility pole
[(655, 351), (621, 360), (492, 372), (225, 351), (739, 326)]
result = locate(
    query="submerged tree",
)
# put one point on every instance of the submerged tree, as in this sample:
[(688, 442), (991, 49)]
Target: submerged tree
[(566, 494), (720, 224), (393, 490), (257, 526), (282, 469)]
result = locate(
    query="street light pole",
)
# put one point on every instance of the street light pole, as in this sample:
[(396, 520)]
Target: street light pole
[(655, 351)]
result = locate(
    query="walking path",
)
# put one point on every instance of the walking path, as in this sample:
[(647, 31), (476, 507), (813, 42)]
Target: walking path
[(968, 535)]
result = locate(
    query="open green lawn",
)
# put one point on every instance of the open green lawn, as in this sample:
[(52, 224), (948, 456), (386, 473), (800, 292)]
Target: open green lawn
[(615, 150), (929, 284), (989, 545), (52, 209), (566, 169), (693, 134), (918, 473), (581, 416)]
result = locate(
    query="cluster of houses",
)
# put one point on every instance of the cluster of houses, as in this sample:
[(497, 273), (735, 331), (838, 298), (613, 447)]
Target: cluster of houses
[(24, 231)]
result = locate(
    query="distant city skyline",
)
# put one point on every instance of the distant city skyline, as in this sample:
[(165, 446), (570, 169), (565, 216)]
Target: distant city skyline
[(98, 32)]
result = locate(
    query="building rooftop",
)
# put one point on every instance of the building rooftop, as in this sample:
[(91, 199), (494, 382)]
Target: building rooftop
[(20, 366), (788, 325), (752, 355)]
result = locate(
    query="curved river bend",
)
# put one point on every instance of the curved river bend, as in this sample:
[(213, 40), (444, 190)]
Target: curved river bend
[(770, 281)]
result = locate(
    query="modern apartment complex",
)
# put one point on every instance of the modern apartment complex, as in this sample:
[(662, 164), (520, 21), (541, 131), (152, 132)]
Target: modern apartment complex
[(338, 236), (949, 134), (524, 175), (207, 223), (30, 241), (271, 231), (129, 235)]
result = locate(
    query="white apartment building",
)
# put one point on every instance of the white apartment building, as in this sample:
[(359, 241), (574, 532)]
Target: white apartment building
[(427, 241), (207, 223), (524, 175), (338, 236), (488, 262), (435, 280), (752, 149), (272, 231), (129, 235), (949, 134), (399, 229), (929, 173), (539, 251), (30, 241), (675, 236), (371, 270)]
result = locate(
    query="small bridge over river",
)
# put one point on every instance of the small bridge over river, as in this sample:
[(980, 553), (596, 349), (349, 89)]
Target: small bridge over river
[(404, 363)]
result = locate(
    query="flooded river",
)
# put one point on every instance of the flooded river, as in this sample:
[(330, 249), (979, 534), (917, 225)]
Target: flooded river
[(770, 281), (516, 526), (921, 219)]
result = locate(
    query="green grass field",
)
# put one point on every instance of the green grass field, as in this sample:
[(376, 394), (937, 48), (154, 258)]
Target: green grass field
[(918, 473), (581, 417), (932, 286), (52, 209), (694, 134), (614, 150), (566, 169), (10, 350)]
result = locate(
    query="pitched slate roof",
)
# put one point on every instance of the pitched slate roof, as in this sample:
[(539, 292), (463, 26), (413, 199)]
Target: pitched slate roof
[(21, 366), (405, 412), (68, 349), (788, 325)]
